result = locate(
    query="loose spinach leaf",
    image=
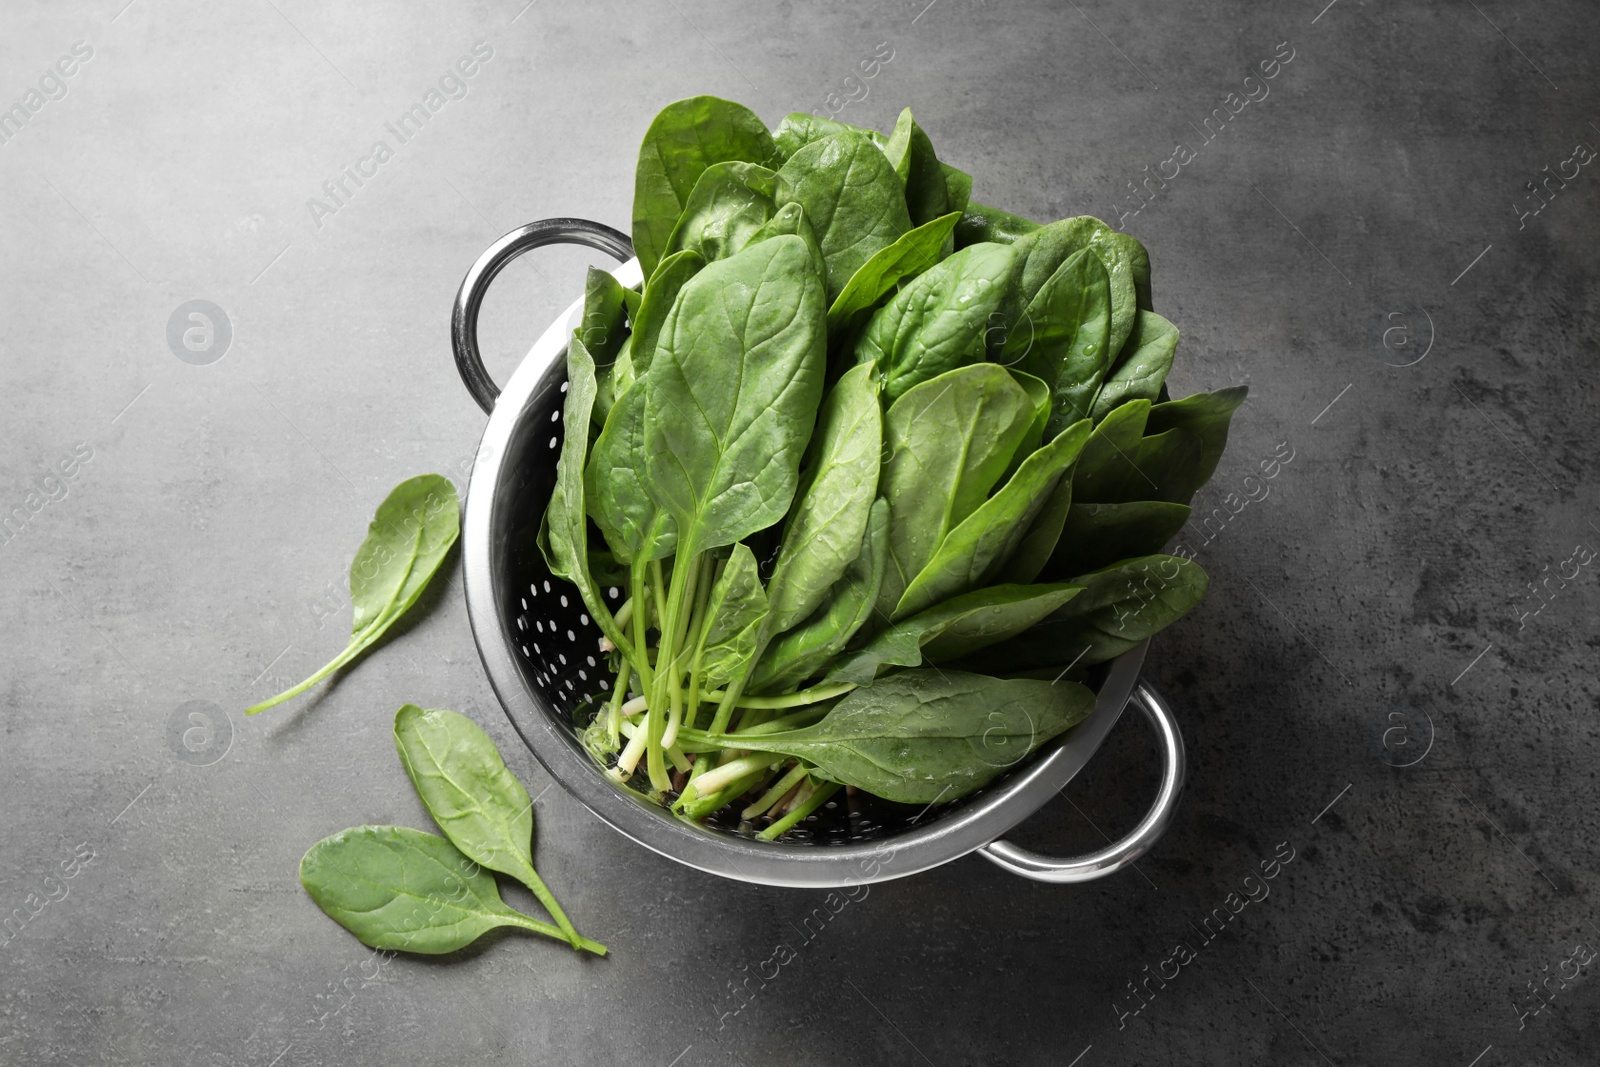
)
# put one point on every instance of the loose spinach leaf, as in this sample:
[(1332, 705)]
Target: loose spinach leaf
[(949, 441), (973, 553), (634, 525), (1063, 336), (829, 517), (660, 293), (730, 202), (1098, 535), (687, 137), (923, 736), (959, 625), (939, 321), (406, 542), (806, 649), (1120, 606), (477, 802), (1039, 393), (1108, 466), (732, 393), (852, 197), (910, 255), (1143, 366), (734, 617), (910, 153), (401, 889)]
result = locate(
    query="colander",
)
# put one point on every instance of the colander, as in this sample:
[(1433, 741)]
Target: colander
[(540, 649)]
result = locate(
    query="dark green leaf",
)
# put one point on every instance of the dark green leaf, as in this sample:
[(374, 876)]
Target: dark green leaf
[(974, 552), (1107, 468), (734, 615), (909, 256), (687, 137), (980, 224), (851, 196), (829, 518), (921, 737), (732, 393), (634, 525), (1063, 336), (949, 441), (939, 321), (805, 650), (791, 219), (1098, 535), (603, 329), (1145, 361), (660, 293), (1044, 250), (799, 129), (911, 154), (730, 203), (406, 542), (1184, 440)]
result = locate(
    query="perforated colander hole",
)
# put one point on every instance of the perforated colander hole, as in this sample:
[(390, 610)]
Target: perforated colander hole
[(584, 619), (537, 625), (555, 416), (562, 656), (547, 585), (583, 675), (605, 684), (522, 622), (525, 652), (537, 649), (569, 684), (571, 636), (591, 661), (613, 592), (553, 443), (524, 603), (564, 386), (563, 600), (534, 590)]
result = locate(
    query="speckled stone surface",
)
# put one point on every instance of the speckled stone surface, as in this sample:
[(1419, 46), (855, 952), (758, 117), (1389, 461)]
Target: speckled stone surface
[(1372, 688)]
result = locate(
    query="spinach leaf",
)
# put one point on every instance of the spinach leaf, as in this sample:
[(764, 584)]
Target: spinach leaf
[(477, 802), (958, 187), (1120, 606), (829, 517), (1108, 469), (687, 137), (1042, 251), (729, 203), (1184, 440), (800, 128), (851, 196), (407, 541), (1143, 366), (910, 255), (980, 224), (603, 330), (910, 153), (660, 293), (920, 737), (806, 649), (938, 322), (974, 552), (734, 617), (566, 522), (401, 889), (732, 393), (791, 219), (634, 525), (1063, 336), (1098, 535), (959, 625), (949, 441)]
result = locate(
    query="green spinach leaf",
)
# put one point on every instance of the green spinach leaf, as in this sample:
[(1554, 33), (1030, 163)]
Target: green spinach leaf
[(1145, 361), (800, 128), (730, 203), (1108, 471), (851, 196), (910, 153), (1184, 440), (687, 137), (980, 224), (1098, 535), (1063, 336), (734, 616), (924, 736), (634, 525), (660, 293), (910, 255), (732, 393), (407, 541)]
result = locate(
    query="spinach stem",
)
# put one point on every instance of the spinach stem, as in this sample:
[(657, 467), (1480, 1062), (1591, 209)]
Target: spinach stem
[(815, 695), (667, 694), (777, 792), (619, 693), (351, 651), (551, 931), (812, 803), (530, 878), (713, 781)]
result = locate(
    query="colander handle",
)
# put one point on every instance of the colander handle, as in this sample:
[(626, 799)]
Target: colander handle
[(464, 317), (1118, 854)]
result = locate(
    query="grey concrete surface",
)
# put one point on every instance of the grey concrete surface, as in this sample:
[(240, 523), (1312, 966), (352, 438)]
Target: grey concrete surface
[(1351, 245)]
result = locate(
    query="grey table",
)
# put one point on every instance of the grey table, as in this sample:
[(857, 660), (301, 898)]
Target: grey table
[(1388, 694)]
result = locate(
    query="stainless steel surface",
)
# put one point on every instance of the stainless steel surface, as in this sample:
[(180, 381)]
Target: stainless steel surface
[(1139, 840), (516, 606)]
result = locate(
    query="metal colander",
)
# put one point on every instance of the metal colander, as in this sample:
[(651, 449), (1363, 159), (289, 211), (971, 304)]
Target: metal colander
[(540, 649)]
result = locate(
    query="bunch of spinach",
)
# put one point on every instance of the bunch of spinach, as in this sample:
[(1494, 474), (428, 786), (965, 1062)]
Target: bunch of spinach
[(403, 889), (851, 427)]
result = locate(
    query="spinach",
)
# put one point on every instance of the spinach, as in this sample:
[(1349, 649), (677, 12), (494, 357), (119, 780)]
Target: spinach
[(401, 889), (1184, 440), (729, 203), (923, 736), (687, 137), (634, 525), (660, 293), (1063, 336), (949, 440), (939, 321), (1120, 606), (479, 804), (791, 219), (1143, 366), (1108, 462), (829, 517), (806, 649), (732, 393), (959, 625), (910, 153), (1098, 535), (1043, 250), (975, 551), (406, 542), (800, 128), (852, 197), (910, 255), (734, 614), (604, 308), (980, 224)]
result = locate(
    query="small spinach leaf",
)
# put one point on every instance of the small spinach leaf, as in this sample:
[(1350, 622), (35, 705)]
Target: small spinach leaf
[(1184, 440), (734, 617), (910, 255), (851, 196), (910, 153), (1108, 463), (800, 128), (981, 223), (634, 525), (924, 736), (407, 541), (1063, 336), (729, 203), (660, 293), (687, 137), (602, 330), (1145, 361)]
